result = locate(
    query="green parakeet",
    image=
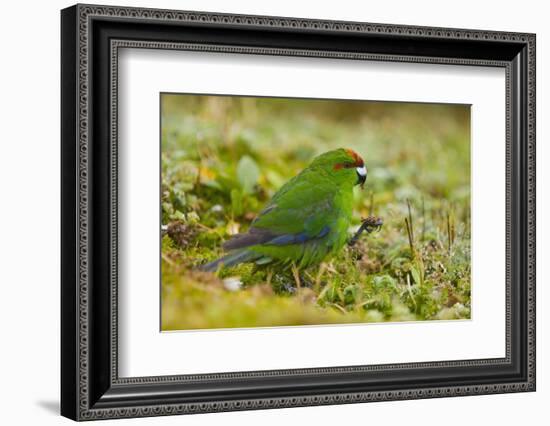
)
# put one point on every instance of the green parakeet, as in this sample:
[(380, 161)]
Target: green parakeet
[(306, 220)]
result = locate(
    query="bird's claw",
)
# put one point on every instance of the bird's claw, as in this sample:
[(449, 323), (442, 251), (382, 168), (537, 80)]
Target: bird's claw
[(372, 223), (368, 225)]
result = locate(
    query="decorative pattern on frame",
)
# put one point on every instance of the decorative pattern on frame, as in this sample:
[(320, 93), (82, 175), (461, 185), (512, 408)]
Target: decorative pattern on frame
[(85, 14)]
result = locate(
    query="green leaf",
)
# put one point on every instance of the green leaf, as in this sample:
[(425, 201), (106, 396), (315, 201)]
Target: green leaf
[(275, 178), (416, 276), (236, 202), (248, 174), (384, 281), (178, 215), (351, 293), (213, 184)]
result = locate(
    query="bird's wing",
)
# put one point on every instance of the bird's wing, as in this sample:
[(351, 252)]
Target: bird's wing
[(302, 210)]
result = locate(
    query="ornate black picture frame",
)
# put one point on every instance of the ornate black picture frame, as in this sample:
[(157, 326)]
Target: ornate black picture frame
[(91, 36)]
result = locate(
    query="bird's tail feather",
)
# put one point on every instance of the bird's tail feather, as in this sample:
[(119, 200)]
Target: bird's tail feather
[(230, 259)]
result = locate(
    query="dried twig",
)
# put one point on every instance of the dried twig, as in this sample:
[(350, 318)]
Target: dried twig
[(408, 225), (423, 221), (450, 232), (320, 272), (296, 275), (410, 219), (409, 289)]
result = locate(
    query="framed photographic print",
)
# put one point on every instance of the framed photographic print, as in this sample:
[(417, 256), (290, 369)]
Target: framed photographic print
[(263, 212)]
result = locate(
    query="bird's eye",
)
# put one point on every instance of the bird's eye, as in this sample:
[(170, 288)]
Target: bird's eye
[(361, 171)]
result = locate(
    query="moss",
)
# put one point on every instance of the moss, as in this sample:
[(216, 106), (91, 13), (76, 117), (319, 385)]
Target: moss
[(219, 167)]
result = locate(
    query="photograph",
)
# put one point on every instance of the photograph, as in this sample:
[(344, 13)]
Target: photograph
[(266, 209), (302, 212)]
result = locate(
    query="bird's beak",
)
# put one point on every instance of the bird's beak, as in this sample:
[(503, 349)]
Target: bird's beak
[(361, 176)]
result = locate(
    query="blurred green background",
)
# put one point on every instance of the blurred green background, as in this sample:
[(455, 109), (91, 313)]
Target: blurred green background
[(224, 157)]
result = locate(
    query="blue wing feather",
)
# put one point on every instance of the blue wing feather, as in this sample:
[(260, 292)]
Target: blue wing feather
[(300, 238)]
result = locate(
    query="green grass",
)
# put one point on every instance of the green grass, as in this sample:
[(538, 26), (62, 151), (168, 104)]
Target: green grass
[(222, 160)]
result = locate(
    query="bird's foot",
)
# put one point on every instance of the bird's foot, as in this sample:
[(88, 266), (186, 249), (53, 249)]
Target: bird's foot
[(368, 225), (372, 223)]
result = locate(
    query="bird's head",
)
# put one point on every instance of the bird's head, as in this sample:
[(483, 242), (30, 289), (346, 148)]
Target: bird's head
[(344, 165)]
